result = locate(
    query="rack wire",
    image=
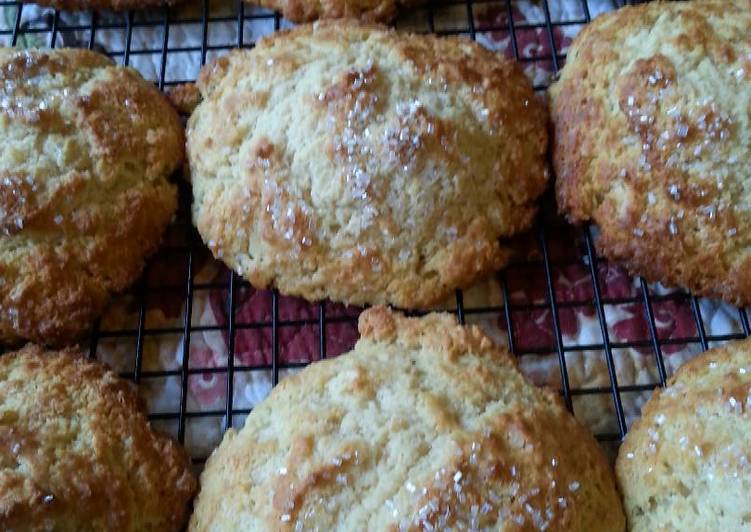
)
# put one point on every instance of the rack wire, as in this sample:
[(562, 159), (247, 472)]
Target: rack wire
[(551, 246)]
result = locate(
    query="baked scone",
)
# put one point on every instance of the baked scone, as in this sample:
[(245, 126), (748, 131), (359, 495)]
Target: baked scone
[(425, 425), (310, 10), (87, 148), (364, 165), (685, 464), (652, 143), (116, 5), (77, 453)]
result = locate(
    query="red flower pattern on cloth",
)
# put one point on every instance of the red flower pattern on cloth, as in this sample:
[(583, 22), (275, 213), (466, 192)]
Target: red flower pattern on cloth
[(207, 388), (532, 322), (532, 43), (534, 328), (297, 342), (674, 318)]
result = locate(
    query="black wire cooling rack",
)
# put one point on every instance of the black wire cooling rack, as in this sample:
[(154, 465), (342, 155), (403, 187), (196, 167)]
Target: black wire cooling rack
[(541, 259)]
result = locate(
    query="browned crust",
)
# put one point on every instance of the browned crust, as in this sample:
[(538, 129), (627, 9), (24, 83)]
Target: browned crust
[(184, 97), (438, 331), (79, 216), (660, 209), (293, 250), (78, 453)]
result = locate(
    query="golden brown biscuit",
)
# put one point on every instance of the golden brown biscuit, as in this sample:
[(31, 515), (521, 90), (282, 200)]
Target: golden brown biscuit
[(364, 165), (87, 148), (184, 97), (685, 463), (77, 453), (310, 10), (652, 141), (425, 425)]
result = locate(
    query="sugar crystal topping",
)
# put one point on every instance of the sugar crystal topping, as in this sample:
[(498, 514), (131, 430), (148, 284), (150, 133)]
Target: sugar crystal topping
[(480, 491), (678, 137), (379, 145)]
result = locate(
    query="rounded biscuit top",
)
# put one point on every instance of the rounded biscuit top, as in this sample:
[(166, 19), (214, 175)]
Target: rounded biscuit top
[(364, 165), (652, 117), (77, 453), (87, 150), (686, 464), (425, 425)]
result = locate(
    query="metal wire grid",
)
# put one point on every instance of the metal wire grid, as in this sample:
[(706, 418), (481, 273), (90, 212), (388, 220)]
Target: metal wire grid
[(543, 236)]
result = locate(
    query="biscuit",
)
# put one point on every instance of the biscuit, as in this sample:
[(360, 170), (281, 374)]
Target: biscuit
[(310, 10), (425, 425), (184, 97), (364, 165), (84, 193), (651, 118), (685, 464), (77, 452)]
